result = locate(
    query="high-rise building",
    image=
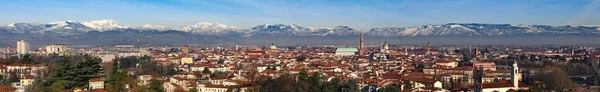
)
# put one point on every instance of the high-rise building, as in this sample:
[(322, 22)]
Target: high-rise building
[(22, 47), (361, 51), (56, 48)]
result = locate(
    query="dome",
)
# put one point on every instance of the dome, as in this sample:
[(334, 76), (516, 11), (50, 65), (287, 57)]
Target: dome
[(272, 46)]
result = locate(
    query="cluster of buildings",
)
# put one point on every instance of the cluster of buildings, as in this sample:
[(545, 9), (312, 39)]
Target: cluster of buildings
[(424, 68)]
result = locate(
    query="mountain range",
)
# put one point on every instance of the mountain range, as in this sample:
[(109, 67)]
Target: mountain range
[(216, 29), (110, 29)]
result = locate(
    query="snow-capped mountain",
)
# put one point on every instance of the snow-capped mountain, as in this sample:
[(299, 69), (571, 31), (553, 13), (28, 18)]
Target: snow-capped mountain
[(474, 29), (153, 27), (343, 30), (65, 27), (105, 25), (206, 28), (214, 29), (281, 29), (61, 27), (23, 27)]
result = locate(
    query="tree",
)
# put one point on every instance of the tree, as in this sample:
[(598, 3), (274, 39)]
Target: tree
[(315, 82), (128, 62), (221, 61), (420, 66), (206, 70), (301, 58), (555, 78), (391, 88), (63, 77), (193, 89), (156, 86), (59, 86), (350, 86), (3, 81), (332, 86), (116, 78), (87, 69), (302, 82), (407, 85), (27, 59)]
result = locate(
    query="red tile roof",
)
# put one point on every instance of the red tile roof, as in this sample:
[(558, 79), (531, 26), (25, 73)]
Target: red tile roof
[(7, 88), (96, 80)]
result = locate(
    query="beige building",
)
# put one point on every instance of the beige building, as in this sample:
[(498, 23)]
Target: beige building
[(22, 47), (187, 60), (96, 83), (56, 48)]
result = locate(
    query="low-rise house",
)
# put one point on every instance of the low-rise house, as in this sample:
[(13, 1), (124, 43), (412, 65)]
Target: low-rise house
[(96, 83)]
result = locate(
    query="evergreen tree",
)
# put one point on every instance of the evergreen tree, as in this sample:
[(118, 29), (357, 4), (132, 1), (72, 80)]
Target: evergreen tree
[(301, 58), (156, 86), (116, 78), (302, 82), (408, 85), (86, 70), (315, 82), (350, 86), (332, 86), (63, 76), (27, 59), (3, 81), (392, 88), (206, 70)]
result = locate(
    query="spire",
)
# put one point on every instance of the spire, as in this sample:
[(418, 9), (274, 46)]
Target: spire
[(385, 41)]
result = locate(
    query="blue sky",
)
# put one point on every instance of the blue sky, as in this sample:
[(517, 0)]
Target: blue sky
[(359, 14)]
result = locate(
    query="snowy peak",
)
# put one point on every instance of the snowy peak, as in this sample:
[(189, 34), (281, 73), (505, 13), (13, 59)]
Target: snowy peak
[(67, 27), (282, 29), (478, 29), (105, 25), (23, 27), (211, 28), (153, 27)]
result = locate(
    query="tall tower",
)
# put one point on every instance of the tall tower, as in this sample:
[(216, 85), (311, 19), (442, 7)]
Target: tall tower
[(236, 47), (22, 47), (572, 52), (185, 50), (361, 52), (515, 75), (428, 49), (386, 45)]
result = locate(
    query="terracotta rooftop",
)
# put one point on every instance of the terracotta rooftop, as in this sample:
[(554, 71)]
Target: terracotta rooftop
[(96, 80), (7, 88)]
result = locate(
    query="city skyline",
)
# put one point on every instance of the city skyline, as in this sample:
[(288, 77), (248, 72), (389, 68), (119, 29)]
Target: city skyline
[(359, 14)]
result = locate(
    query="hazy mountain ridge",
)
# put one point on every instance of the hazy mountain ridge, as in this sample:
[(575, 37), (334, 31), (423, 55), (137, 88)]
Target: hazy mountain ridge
[(474, 29), (215, 29)]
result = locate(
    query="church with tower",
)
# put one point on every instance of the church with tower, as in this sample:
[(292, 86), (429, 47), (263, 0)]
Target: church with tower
[(511, 85)]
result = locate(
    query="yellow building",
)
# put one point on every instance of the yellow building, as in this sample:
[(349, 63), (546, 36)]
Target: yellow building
[(187, 60), (28, 80)]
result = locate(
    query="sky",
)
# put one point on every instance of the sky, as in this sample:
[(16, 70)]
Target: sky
[(358, 14)]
